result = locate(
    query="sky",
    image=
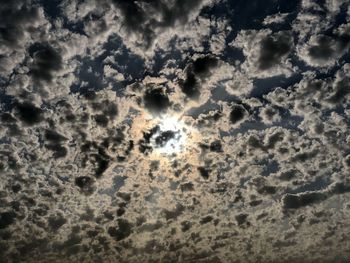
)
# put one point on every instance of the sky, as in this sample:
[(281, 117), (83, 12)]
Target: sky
[(206, 131)]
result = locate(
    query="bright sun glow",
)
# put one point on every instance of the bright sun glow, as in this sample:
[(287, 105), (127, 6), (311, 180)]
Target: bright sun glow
[(172, 134)]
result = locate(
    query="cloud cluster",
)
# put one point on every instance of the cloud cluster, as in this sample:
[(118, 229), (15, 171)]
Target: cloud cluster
[(174, 131)]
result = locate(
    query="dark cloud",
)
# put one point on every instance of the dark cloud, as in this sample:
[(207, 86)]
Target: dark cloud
[(340, 188), (96, 155), (347, 160), (105, 106), (16, 17), (54, 136), (288, 175), (238, 113), (102, 163), (255, 202), (190, 86), (56, 221), (6, 219), (241, 219), (295, 201), (273, 48), (197, 70), (59, 151), (29, 113), (85, 183), (185, 226), (204, 172), (164, 137), (54, 143), (324, 48), (101, 120), (16, 188), (156, 99), (206, 219), (144, 16), (175, 213), (341, 90), (7, 118), (214, 146), (46, 60), (121, 231), (145, 143), (106, 110), (202, 65), (187, 187)]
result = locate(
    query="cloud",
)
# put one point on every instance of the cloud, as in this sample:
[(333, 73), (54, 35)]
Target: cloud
[(273, 49), (297, 201), (17, 17), (196, 72), (145, 17), (275, 19), (46, 60), (29, 113), (259, 109), (20, 23), (237, 114), (324, 51), (266, 52), (156, 100), (270, 115)]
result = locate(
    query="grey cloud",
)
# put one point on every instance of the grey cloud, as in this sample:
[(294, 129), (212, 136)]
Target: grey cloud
[(195, 71), (46, 60), (156, 99), (269, 114), (29, 113), (291, 201), (85, 88), (146, 16), (323, 50), (17, 17), (274, 48), (21, 21), (85, 183), (326, 49), (238, 113), (266, 52)]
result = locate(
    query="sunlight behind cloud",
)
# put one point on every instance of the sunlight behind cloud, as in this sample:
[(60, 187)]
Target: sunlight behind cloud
[(173, 135)]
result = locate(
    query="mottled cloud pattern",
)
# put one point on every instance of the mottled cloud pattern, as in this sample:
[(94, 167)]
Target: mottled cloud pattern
[(174, 131)]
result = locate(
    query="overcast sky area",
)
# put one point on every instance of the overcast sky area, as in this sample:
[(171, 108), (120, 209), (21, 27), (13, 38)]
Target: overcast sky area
[(210, 131)]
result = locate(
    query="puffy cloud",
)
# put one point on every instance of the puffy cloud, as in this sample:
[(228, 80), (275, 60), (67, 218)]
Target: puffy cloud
[(20, 24), (45, 61), (266, 52), (237, 114), (275, 19), (147, 18), (133, 131), (324, 51), (270, 115), (29, 113), (198, 70)]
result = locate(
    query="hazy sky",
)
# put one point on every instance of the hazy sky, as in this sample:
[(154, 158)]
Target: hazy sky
[(175, 131)]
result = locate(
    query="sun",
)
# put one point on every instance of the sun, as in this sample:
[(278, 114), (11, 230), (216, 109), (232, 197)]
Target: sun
[(171, 137), (167, 137)]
